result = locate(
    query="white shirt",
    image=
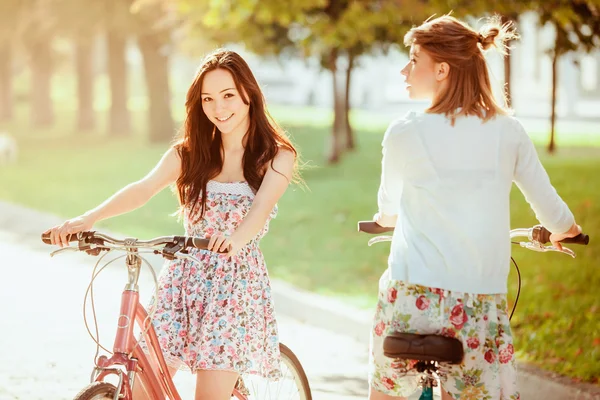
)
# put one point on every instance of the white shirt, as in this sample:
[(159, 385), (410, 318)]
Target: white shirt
[(449, 187)]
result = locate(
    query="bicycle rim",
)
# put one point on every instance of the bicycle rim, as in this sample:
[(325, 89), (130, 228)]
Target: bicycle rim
[(293, 384), (97, 391)]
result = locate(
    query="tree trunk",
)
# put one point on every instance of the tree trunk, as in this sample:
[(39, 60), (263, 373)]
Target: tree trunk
[(42, 110), (156, 65), (597, 88), (119, 124), (84, 51), (337, 133), (6, 104), (555, 56), (507, 71), (350, 144)]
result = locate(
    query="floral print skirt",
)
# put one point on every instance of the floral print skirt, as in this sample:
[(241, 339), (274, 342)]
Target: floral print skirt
[(217, 314), (479, 321)]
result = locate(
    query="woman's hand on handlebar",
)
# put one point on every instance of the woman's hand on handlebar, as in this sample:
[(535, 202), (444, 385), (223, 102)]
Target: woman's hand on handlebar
[(555, 238), (58, 234), (220, 243), (387, 221)]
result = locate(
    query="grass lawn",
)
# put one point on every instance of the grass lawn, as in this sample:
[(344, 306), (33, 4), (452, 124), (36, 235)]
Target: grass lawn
[(313, 243)]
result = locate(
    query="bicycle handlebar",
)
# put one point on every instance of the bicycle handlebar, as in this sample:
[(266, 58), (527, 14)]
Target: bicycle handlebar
[(542, 235), (537, 233), (373, 227), (92, 237)]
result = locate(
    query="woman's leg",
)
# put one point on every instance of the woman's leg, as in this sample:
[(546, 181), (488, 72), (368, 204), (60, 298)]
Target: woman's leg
[(445, 395), (215, 385), (388, 379), (375, 395), (139, 392)]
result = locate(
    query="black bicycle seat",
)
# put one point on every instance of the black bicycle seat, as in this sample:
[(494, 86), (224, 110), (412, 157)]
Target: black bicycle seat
[(423, 347)]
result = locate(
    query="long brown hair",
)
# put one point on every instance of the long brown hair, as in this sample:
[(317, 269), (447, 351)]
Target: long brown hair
[(200, 147), (446, 39)]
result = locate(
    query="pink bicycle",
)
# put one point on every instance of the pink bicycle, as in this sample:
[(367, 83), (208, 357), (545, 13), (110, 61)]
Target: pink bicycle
[(128, 362)]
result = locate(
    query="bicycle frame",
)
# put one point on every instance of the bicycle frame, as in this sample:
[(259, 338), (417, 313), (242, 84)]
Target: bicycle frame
[(152, 368), (128, 359)]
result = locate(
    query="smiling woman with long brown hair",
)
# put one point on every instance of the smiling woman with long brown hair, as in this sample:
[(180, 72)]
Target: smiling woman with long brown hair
[(230, 167), (203, 138)]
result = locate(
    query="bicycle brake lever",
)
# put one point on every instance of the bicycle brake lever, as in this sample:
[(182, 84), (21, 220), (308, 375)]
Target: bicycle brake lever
[(378, 239), (52, 254), (541, 248), (186, 257)]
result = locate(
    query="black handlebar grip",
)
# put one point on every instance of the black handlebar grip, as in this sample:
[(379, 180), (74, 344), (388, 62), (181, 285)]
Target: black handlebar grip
[(72, 237), (542, 235), (373, 227), (200, 243)]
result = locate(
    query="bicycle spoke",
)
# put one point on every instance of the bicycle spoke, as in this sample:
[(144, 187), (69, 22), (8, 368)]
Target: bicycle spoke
[(286, 388)]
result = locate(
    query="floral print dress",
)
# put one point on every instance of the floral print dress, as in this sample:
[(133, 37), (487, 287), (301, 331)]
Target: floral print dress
[(218, 314), (479, 321)]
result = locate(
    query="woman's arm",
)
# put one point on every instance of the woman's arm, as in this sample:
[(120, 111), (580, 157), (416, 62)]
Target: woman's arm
[(138, 193), (533, 181), (127, 199), (275, 182), (390, 188)]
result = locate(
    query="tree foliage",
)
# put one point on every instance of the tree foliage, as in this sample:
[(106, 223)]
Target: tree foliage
[(327, 30)]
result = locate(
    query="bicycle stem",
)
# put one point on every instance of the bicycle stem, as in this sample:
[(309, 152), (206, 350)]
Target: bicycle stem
[(124, 339), (134, 266)]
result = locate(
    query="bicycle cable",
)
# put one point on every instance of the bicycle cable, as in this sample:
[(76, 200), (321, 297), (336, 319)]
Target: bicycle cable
[(90, 292), (518, 289)]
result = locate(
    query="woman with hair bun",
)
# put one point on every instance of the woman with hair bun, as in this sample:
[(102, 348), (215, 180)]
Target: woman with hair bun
[(445, 184)]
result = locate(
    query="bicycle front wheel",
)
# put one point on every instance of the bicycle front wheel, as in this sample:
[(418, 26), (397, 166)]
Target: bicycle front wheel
[(293, 384), (97, 391)]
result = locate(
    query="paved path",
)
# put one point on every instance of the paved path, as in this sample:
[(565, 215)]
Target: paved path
[(46, 352)]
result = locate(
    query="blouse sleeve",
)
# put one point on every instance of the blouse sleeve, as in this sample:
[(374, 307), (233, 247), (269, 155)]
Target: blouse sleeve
[(533, 181), (390, 188)]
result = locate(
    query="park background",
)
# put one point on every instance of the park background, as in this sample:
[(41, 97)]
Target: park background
[(93, 92)]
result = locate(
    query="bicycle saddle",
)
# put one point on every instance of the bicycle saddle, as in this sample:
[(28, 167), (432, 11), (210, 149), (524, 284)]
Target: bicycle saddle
[(423, 347)]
